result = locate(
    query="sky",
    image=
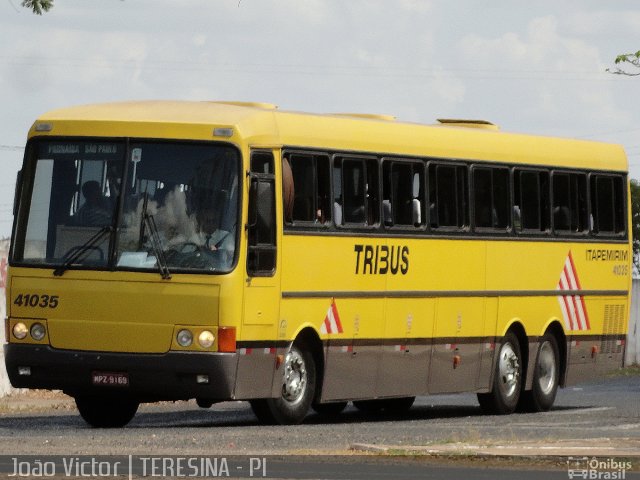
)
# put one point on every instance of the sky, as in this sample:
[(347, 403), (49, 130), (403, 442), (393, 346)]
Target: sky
[(532, 67)]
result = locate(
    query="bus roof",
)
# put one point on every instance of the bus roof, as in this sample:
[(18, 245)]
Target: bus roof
[(263, 124)]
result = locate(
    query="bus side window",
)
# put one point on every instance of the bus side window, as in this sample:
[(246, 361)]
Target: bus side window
[(356, 199), (262, 162), (607, 204), (482, 198), (403, 187), (531, 200), (569, 202), (491, 198), (354, 194), (448, 194), (337, 193), (311, 197)]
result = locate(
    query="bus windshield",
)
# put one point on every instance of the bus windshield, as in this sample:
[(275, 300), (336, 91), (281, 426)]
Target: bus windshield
[(137, 205)]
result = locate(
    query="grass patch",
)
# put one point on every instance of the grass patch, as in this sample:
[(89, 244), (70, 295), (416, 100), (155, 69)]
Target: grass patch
[(630, 371)]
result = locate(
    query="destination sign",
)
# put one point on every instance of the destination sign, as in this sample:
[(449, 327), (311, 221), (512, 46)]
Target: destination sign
[(78, 150)]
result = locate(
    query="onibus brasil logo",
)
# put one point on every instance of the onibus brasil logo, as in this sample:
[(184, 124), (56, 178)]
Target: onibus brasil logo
[(597, 468)]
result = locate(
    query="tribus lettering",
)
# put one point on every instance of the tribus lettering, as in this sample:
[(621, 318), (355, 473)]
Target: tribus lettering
[(381, 259)]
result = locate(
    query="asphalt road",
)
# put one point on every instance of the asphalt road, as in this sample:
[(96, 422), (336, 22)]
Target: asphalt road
[(607, 409)]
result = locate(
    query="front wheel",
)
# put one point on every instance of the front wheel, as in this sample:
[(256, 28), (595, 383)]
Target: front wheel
[(507, 381), (298, 390), (106, 412), (546, 376)]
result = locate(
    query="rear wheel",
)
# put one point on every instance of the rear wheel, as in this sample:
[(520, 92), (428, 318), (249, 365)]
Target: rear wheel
[(507, 381), (298, 389), (106, 412), (546, 376)]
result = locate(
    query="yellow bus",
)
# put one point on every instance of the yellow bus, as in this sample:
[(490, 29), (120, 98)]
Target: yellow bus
[(234, 251)]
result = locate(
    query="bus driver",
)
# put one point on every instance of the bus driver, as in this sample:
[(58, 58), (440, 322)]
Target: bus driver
[(94, 212)]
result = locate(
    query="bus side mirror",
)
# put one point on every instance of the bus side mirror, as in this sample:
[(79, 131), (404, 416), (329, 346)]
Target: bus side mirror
[(261, 202)]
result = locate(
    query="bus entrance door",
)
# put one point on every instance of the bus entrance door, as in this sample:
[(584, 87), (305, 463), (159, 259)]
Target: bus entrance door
[(256, 362)]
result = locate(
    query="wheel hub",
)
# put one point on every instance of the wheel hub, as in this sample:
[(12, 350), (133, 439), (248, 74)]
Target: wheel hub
[(295, 377), (546, 368), (509, 369)]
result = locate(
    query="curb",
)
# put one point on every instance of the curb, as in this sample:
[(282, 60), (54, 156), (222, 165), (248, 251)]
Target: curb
[(19, 401), (598, 447)]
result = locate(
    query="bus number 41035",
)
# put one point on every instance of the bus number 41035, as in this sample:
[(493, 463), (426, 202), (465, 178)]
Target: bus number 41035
[(33, 300)]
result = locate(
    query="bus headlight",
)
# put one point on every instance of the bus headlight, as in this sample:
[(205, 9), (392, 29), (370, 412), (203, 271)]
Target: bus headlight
[(38, 331), (206, 339), (20, 331), (184, 338)]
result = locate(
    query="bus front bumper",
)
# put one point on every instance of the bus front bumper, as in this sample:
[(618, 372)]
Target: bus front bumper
[(147, 377)]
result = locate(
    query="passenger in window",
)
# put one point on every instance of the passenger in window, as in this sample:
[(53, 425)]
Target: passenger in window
[(433, 215), (517, 218), (386, 212), (211, 236), (562, 218), (94, 212), (337, 213)]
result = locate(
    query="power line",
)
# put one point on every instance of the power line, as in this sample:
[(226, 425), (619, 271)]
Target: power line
[(15, 148), (602, 134), (390, 71), (14, 7)]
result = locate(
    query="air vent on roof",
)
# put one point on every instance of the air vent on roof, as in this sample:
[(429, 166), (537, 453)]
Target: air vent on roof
[(265, 106), (457, 122), (370, 116)]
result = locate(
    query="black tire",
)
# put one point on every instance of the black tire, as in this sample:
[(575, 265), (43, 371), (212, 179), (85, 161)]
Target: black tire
[(389, 405), (369, 406), (262, 411), (298, 390), (106, 411), (204, 402), (507, 379), (334, 408), (398, 405), (546, 376)]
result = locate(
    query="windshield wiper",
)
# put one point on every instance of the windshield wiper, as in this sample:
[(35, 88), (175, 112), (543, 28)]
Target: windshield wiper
[(156, 244), (154, 237), (80, 250)]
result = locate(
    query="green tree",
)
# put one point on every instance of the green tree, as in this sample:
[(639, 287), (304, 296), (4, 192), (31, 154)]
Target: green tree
[(627, 60), (38, 6), (635, 222)]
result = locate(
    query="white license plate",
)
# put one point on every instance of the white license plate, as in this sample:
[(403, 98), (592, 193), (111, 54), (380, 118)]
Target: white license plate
[(110, 379)]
